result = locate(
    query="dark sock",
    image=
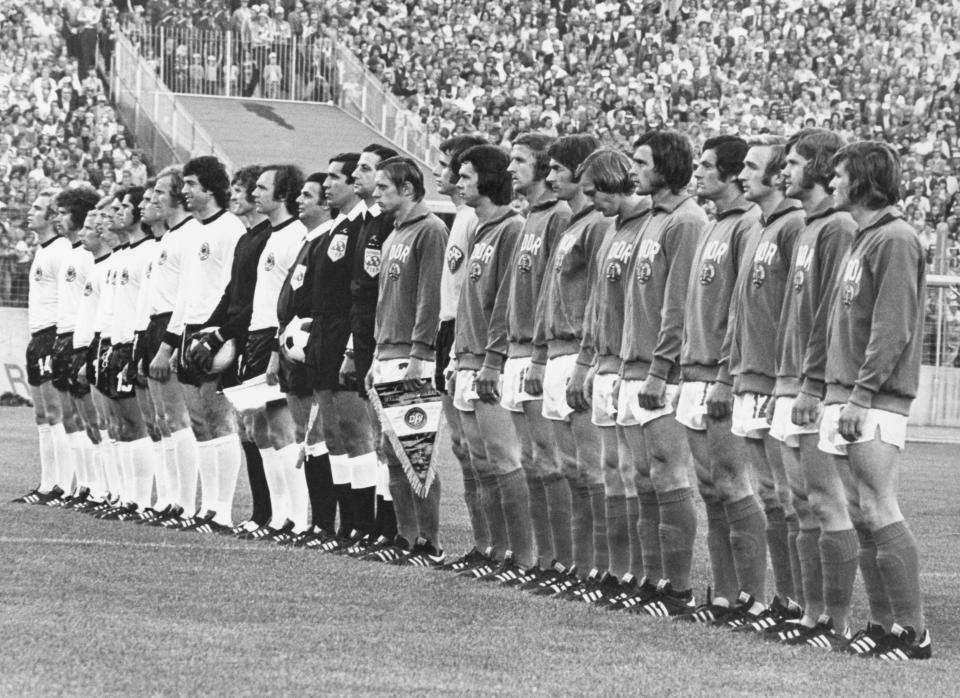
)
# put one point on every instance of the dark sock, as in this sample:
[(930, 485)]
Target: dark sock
[(515, 501), (345, 505), (386, 518), (259, 490), (601, 553), (618, 539), (793, 530), (899, 565), (678, 530), (808, 550), (880, 610), (748, 545), (582, 524), (721, 554), (560, 506), (364, 508), (323, 498), (838, 559), (493, 513), (540, 517), (648, 525), (777, 543)]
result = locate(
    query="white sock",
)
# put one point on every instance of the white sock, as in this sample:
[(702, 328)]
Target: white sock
[(125, 460), (166, 493), (207, 469), (98, 475), (144, 466), (48, 461), (277, 484), (77, 441), (297, 498), (383, 482), (364, 471), (185, 474), (111, 466), (61, 454), (229, 460)]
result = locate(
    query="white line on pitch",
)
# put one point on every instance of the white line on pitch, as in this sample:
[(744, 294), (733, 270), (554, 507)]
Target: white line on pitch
[(118, 544)]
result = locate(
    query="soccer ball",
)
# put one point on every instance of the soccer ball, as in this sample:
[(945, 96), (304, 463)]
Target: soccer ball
[(223, 358), (293, 341)]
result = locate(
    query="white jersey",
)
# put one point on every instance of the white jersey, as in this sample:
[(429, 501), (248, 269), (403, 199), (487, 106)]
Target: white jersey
[(277, 257), (87, 308), (73, 277), (454, 270), (44, 279), (128, 280), (165, 271), (205, 268), (103, 324)]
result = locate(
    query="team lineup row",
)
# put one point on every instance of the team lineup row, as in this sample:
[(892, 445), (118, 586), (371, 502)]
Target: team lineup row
[(587, 350)]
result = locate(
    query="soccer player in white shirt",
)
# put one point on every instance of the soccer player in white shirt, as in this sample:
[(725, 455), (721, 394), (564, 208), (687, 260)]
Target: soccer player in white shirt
[(42, 318)]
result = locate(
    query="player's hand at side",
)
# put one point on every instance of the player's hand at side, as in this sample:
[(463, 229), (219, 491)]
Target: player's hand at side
[(852, 418), (201, 355), (719, 400), (533, 379), (488, 385), (576, 388), (450, 378), (413, 377), (160, 366), (348, 372), (273, 369), (806, 410), (651, 392)]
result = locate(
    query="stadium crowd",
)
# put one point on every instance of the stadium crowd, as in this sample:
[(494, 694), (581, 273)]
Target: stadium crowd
[(56, 123), (866, 68)]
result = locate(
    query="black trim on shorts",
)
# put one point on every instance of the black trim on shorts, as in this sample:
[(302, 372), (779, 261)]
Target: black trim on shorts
[(446, 333)]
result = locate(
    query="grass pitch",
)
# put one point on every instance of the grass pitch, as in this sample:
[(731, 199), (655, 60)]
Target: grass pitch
[(92, 607)]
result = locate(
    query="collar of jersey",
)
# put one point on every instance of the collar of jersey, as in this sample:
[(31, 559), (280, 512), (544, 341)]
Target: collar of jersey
[(824, 209), (374, 210), (786, 206), (320, 229), (357, 210), (215, 216), (283, 225), (672, 206), (140, 241), (881, 217), (509, 213), (180, 224), (50, 241), (741, 206)]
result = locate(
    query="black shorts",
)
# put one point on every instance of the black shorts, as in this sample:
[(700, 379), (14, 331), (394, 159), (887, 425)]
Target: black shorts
[(39, 356), (446, 333), (134, 377), (81, 360), (186, 374), (121, 357), (328, 341), (62, 361), (101, 378), (295, 378), (363, 320), (255, 358), (150, 340)]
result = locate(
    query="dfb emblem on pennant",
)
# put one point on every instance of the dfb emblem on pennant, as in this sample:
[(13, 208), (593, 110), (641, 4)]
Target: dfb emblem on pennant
[(338, 247), (415, 418), (371, 262)]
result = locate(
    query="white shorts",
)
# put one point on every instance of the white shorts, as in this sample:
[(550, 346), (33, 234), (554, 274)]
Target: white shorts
[(555, 378), (891, 426), (748, 419), (393, 370), (465, 391), (604, 413), (782, 427), (692, 404), (629, 412), (512, 393)]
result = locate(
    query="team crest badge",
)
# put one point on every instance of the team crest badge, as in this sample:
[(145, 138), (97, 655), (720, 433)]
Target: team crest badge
[(148, 270), (162, 259), (124, 277), (394, 272), (371, 262), (644, 271), (614, 271), (525, 263), (454, 258), (338, 247), (270, 262), (798, 280), (71, 275), (476, 271), (296, 279), (38, 274), (88, 289), (708, 273), (759, 275), (849, 292), (204, 251)]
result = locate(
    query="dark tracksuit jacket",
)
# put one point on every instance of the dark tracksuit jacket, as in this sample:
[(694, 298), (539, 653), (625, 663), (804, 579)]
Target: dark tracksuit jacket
[(571, 273), (408, 312), (749, 361), (875, 333), (657, 290), (545, 221), (232, 314), (713, 278), (481, 338), (603, 330), (811, 285)]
